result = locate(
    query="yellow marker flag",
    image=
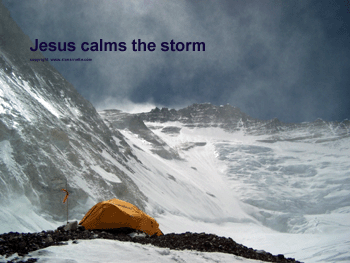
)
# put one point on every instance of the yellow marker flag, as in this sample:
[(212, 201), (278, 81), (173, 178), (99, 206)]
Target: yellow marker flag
[(66, 197)]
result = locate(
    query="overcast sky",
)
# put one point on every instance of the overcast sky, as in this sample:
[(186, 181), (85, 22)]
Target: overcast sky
[(271, 58)]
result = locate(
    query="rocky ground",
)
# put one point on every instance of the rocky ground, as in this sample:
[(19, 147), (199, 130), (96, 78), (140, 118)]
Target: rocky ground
[(23, 243)]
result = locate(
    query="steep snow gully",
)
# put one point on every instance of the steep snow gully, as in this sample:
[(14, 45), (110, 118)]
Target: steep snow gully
[(278, 187)]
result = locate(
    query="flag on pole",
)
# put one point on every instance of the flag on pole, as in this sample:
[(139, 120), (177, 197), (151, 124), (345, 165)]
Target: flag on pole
[(66, 197)]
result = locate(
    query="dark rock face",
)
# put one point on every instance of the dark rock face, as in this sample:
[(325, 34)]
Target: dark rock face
[(199, 115), (205, 115), (171, 130), (23, 244), (121, 120), (233, 119)]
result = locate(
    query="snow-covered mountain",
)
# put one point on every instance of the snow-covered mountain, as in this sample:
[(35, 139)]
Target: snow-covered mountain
[(280, 187), (285, 173), (51, 136), (286, 185)]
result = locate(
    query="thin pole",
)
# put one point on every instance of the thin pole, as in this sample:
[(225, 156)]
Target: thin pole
[(67, 198)]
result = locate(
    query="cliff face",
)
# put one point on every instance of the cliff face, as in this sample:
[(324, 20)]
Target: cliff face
[(51, 136), (232, 119), (199, 115)]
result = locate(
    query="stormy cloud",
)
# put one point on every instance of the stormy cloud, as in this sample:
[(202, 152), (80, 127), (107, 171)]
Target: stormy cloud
[(284, 59)]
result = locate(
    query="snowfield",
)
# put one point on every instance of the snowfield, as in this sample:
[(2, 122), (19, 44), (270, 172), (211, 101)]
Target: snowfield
[(108, 251), (283, 196), (289, 196)]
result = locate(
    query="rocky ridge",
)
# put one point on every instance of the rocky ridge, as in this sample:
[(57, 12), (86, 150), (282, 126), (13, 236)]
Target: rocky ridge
[(24, 243), (233, 119), (116, 120)]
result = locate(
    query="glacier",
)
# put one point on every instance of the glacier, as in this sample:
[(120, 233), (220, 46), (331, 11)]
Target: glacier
[(285, 185), (274, 186)]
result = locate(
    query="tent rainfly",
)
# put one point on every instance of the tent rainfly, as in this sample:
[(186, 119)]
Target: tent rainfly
[(116, 213)]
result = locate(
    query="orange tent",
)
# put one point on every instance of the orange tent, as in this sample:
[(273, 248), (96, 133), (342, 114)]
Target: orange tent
[(116, 213)]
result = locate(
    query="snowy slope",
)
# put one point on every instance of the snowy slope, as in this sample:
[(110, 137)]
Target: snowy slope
[(50, 138), (279, 187), (108, 251)]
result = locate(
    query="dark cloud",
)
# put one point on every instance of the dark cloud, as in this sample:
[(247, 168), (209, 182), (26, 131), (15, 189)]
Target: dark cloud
[(285, 59)]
